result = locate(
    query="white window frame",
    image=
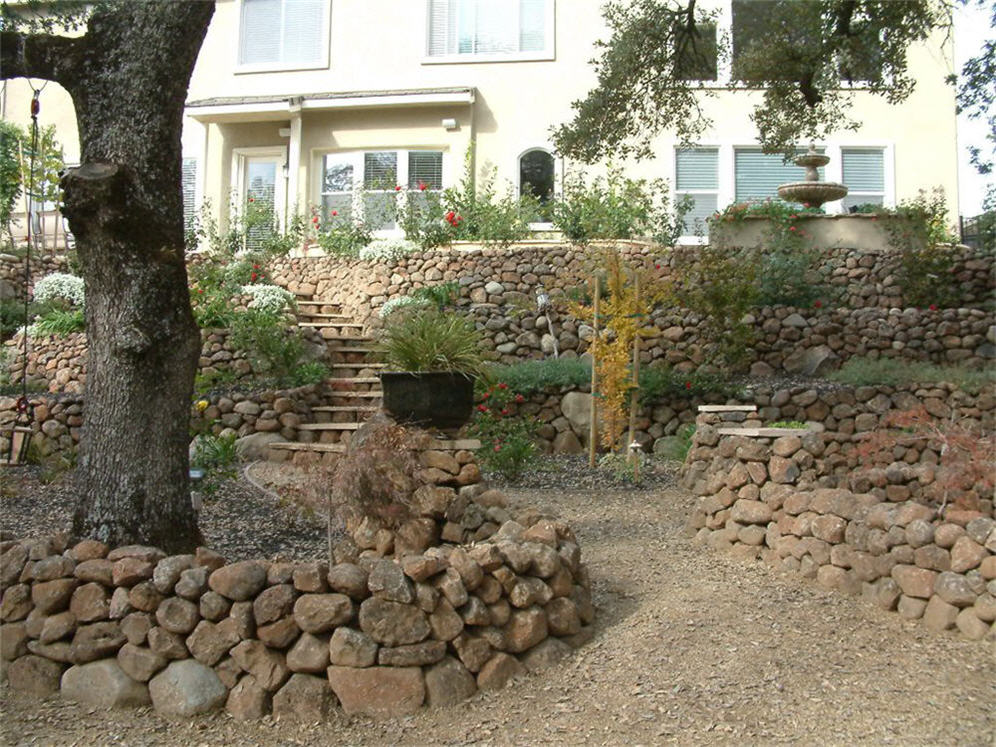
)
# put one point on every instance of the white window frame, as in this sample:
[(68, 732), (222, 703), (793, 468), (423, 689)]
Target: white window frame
[(241, 157), (722, 187), (356, 159), (547, 53), (835, 171), (276, 67)]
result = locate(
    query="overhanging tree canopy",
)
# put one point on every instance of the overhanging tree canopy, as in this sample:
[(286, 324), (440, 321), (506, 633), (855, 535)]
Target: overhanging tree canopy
[(128, 76), (654, 70)]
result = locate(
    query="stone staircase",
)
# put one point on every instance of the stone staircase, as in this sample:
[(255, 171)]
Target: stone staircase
[(356, 392)]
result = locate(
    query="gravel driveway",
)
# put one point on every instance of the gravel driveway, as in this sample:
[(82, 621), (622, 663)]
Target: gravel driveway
[(692, 647)]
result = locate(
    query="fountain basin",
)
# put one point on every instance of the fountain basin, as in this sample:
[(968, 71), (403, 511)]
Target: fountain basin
[(810, 193)]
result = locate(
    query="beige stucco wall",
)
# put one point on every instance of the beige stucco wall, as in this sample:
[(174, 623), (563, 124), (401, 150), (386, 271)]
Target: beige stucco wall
[(380, 45)]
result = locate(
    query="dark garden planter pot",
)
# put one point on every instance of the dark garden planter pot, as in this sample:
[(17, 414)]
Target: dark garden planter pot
[(438, 399)]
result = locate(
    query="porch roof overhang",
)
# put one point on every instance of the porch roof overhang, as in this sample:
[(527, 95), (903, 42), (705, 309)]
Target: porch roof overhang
[(280, 107)]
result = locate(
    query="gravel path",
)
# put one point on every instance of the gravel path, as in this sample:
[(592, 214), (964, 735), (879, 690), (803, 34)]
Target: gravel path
[(692, 647)]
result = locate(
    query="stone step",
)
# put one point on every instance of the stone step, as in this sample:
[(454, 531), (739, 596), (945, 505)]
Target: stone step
[(727, 408), (352, 349), (349, 338), (344, 408), (345, 394), (317, 302), (297, 446), (354, 380), (319, 315), (329, 426), (361, 364)]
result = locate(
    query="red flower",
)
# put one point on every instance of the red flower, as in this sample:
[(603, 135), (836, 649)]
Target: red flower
[(502, 385), (505, 411), (335, 213), (497, 447), (817, 304), (315, 220), (657, 266), (201, 291), (252, 200), (253, 277), (481, 408), (398, 188), (688, 385), (458, 219), (791, 228), (255, 267), (450, 215), (933, 307), (519, 398), (422, 186)]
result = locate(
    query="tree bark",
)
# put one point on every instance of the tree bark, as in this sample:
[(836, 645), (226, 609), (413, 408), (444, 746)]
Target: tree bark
[(128, 76)]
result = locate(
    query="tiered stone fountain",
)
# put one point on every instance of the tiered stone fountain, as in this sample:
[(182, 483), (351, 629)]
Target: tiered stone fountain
[(812, 192)]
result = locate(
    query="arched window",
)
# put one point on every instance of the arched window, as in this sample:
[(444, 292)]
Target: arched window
[(536, 175)]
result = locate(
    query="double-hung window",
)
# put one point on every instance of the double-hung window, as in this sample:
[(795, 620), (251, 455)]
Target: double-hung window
[(489, 30), (697, 178), (365, 185), (757, 175), (864, 175), (284, 35)]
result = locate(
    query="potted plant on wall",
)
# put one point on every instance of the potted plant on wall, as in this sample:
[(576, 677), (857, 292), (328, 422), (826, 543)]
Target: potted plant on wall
[(435, 356)]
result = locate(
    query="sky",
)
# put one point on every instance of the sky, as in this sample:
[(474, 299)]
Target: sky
[(971, 29)]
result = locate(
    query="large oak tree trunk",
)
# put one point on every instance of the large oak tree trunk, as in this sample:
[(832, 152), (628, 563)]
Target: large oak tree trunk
[(128, 76)]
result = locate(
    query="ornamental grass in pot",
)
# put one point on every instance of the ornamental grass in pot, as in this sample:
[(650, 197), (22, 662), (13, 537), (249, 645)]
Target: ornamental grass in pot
[(435, 356)]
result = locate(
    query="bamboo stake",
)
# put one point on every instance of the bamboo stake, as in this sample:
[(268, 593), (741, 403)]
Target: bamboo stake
[(593, 426), (634, 391)]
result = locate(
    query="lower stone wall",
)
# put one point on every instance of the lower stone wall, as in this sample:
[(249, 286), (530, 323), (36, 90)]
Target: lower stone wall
[(563, 416), (398, 620), (758, 497)]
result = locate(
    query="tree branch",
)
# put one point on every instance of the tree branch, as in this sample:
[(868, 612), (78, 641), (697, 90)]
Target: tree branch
[(38, 56)]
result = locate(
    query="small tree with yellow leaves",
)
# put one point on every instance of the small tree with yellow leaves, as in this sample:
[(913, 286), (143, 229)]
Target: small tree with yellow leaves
[(633, 290)]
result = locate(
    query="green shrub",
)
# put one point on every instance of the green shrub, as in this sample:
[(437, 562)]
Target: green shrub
[(507, 440), (311, 372), (59, 323), (530, 377), (217, 456), (661, 382), (894, 372), (343, 237), (721, 288), (274, 349), (471, 211), (786, 268), (617, 208), (440, 295), (12, 316), (927, 261)]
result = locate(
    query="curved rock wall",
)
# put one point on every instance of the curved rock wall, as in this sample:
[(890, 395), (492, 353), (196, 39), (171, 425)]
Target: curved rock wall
[(370, 634), (760, 497)]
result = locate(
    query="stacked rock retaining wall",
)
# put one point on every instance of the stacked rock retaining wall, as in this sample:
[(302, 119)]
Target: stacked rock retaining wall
[(758, 497), (397, 621)]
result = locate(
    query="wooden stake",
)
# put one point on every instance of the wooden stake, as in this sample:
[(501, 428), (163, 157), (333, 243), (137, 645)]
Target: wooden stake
[(593, 426), (634, 391)]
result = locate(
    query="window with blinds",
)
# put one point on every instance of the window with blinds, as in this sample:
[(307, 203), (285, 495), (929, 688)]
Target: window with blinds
[(697, 176), (486, 28), (284, 33), (757, 175), (188, 180), (425, 169), (364, 185), (864, 174)]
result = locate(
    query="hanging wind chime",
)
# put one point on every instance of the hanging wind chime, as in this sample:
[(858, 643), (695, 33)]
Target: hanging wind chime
[(20, 434)]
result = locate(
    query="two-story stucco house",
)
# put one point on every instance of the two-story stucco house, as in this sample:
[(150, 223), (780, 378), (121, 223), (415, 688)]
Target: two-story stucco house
[(307, 100)]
